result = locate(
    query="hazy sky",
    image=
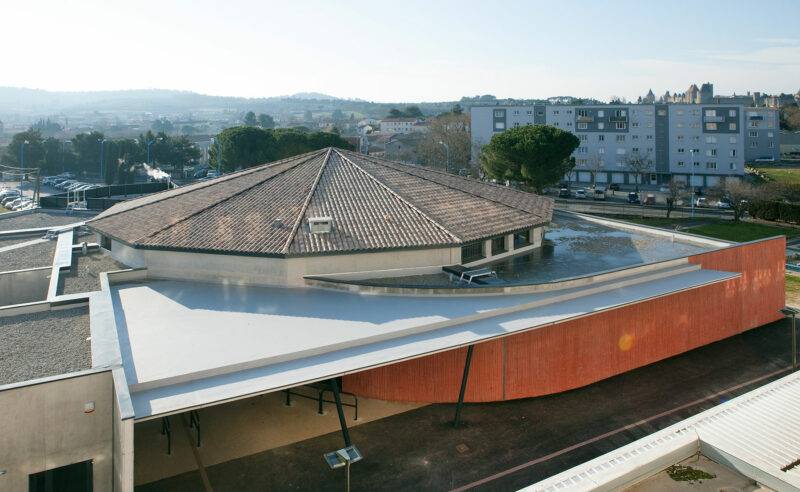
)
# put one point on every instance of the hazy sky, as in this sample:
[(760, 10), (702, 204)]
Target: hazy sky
[(402, 51)]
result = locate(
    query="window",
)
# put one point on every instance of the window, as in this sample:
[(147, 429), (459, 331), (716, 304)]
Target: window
[(600, 113), (516, 123), (681, 164), (731, 165), (711, 139), (583, 126), (600, 126), (635, 150), (522, 239), (499, 125), (770, 124), (620, 138), (680, 138), (498, 245), (569, 111), (681, 150), (583, 113), (649, 137), (555, 124), (695, 124), (711, 126), (620, 151), (711, 152), (733, 152), (583, 150), (569, 123), (633, 111), (696, 164), (583, 137), (649, 150), (695, 112), (732, 126), (635, 137), (770, 134), (516, 112), (499, 113), (679, 124), (752, 133), (711, 165), (695, 138), (620, 163), (753, 124), (680, 111), (582, 162), (540, 113), (696, 151), (661, 112), (649, 124), (753, 144), (619, 113), (635, 124), (732, 140), (732, 113), (650, 111), (529, 112), (555, 111), (472, 252), (601, 150), (621, 125), (711, 112), (601, 138), (771, 144)]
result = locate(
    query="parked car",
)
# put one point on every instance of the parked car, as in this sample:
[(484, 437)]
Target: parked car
[(6, 201), (563, 193), (633, 197), (10, 204), (65, 184), (701, 202), (212, 174), (724, 204), (599, 193), (7, 193), (580, 194), (650, 199), (613, 187), (201, 173), (23, 204)]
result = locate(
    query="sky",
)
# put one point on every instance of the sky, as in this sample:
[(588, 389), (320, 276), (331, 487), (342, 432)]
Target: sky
[(409, 51)]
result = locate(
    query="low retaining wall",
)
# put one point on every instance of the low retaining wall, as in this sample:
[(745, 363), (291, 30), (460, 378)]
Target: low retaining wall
[(24, 286), (581, 351)]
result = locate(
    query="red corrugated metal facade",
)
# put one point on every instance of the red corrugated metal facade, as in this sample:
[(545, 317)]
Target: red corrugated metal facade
[(578, 352)]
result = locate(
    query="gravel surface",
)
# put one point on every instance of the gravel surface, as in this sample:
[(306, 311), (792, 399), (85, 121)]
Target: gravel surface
[(40, 219), (8, 241), (44, 344), (84, 276), (38, 255)]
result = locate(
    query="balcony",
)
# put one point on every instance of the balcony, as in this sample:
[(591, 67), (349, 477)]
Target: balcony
[(585, 119), (713, 119), (755, 117), (618, 119)]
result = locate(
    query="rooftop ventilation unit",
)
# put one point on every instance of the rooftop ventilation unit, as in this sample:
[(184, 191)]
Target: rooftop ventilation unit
[(320, 225)]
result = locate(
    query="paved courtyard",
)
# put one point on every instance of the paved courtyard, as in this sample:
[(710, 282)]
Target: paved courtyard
[(508, 445)]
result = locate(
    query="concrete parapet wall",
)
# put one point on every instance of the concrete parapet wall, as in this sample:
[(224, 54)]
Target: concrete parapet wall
[(24, 286)]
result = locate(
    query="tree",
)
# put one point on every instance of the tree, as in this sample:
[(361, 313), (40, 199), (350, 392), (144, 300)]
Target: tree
[(595, 165), (337, 114), (454, 130), (266, 121), (675, 192), (33, 155), (738, 193), (87, 151), (395, 113), (249, 119), (639, 165), (457, 109), (162, 125), (47, 128), (567, 169), (531, 154), (412, 112), (243, 147)]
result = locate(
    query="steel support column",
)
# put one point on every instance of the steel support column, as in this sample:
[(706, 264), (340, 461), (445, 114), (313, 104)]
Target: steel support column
[(463, 386), (339, 409)]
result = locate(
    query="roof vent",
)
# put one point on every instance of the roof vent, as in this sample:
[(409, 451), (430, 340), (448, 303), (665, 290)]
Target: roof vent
[(320, 225), (277, 223)]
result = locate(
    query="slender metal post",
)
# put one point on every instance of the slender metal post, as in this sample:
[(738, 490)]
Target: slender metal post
[(347, 477), (339, 409), (463, 386), (21, 165), (794, 344), (692, 183)]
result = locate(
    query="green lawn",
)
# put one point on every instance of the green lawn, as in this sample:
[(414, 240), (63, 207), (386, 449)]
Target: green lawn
[(782, 174), (741, 231), (656, 221), (792, 284)]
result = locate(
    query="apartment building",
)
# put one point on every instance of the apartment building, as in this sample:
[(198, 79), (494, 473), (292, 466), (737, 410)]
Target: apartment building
[(398, 125), (711, 142)]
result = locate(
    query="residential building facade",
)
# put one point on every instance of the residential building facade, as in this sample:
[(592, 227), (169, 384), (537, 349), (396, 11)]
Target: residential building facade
[(398, 125), (703, 143)]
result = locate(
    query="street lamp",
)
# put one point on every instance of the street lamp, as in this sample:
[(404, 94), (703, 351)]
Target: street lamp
[(447, 163), (691, 151), (147, 143), (102, 141), (219, 155), (343, 457), (21, 165)]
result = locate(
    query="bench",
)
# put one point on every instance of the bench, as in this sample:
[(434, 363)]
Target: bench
[(473, 274)]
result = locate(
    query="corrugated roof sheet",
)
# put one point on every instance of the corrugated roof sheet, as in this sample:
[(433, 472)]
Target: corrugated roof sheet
[(374, 203)]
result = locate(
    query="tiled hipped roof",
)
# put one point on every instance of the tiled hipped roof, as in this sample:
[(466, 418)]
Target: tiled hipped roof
[(375, 204)]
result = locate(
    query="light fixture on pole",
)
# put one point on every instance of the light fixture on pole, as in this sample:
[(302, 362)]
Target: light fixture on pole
[(447, 162), (102, 141), (343, 457), (148, 142), (691, 151), (219, 155), (21, 165)]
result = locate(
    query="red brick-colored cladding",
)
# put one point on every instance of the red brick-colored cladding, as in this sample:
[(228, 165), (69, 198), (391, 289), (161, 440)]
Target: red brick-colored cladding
[(578, 352)]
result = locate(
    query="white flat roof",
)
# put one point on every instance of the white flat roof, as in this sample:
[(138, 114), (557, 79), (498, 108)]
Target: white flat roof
[(187, 344)]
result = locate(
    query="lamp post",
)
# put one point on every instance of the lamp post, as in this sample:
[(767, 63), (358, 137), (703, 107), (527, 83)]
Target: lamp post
[(21, 165), (691, 151), (148, 142), (102, 141), (447, 162), (219, 155)]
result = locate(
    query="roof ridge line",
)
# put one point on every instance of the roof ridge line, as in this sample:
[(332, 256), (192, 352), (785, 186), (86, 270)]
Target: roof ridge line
[(504, 188), (307, 201), (399, 197), (257, 183), (228, 177)]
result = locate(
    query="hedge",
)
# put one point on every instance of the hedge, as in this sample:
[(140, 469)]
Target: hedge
[(787, 212)]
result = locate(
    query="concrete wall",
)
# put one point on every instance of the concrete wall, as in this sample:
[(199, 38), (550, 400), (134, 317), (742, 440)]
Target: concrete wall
[(584, 350), (253, 270), (43, 426), (123, 436), (24, 286)]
